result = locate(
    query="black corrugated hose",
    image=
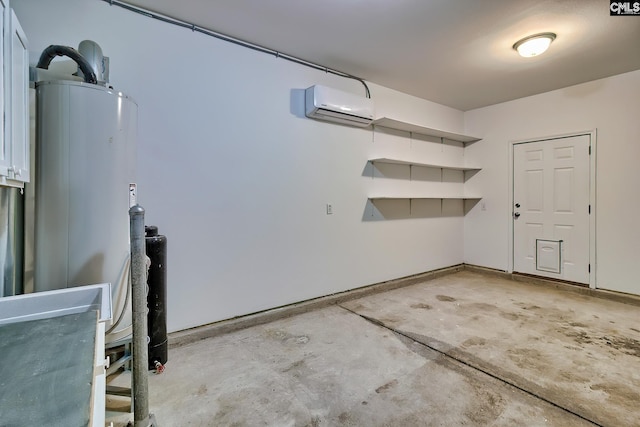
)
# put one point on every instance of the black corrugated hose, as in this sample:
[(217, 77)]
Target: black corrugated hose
[(56, 50)]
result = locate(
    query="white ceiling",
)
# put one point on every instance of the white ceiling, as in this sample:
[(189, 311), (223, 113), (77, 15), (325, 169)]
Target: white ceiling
[(454, 52)]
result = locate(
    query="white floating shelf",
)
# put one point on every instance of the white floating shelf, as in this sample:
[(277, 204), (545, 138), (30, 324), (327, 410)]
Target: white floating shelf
[(425, 198), (429, 165), (422, 130)]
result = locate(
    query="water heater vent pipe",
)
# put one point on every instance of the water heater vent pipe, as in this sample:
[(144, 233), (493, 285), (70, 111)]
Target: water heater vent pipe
[(56, 50)]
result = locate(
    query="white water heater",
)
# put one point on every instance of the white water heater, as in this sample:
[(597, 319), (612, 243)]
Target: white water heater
[(85, 170)]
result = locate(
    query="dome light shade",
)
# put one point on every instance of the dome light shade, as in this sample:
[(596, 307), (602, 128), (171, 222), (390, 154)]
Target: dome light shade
[(534, 45)]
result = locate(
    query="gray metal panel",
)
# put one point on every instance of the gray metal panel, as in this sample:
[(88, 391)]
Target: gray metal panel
[(46, 371), (11, 234)]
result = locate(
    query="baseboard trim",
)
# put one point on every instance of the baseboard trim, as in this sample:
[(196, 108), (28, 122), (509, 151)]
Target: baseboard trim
[(577, 289), (188, 336), (487, 271)]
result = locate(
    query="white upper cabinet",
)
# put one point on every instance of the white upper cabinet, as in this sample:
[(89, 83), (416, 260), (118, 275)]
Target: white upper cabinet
[(14, 93), (19, 102), (5, 152)]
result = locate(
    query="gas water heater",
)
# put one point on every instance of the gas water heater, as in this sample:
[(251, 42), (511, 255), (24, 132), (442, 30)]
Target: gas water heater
[(84, 183)]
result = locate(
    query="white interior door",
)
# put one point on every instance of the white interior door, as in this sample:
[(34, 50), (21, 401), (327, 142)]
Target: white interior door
[(551, 208)]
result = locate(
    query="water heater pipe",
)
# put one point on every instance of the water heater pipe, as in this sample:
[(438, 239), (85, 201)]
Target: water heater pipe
[(56, 50)]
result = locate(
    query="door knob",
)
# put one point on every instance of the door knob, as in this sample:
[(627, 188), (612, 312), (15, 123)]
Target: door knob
[(516, 214), (517, 205)]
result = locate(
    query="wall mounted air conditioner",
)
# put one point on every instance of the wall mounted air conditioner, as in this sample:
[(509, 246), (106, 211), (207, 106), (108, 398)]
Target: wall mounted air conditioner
[(325, 103)]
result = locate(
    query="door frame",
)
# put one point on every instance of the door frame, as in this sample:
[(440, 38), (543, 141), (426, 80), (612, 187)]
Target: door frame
[(592, 196)]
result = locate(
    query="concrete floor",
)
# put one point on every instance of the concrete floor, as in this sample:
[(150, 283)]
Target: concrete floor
[(464, 349)]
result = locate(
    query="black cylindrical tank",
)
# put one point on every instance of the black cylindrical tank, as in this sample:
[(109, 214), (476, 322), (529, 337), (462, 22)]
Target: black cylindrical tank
[(156, 246)]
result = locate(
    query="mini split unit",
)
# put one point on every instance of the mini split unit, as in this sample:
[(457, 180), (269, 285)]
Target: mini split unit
[(332, 105)]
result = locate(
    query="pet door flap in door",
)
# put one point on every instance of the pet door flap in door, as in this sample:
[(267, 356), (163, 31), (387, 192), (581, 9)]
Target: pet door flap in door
[(548, 255)]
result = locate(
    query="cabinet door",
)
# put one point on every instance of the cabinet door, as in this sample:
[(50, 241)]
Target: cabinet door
[(19, 102), (5, 152)]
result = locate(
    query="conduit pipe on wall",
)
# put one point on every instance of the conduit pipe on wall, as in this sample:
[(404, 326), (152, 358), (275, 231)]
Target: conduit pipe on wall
[(56, 50), (236, 41)]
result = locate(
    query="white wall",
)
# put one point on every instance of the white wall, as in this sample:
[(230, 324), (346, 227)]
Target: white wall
[(610, 105), (237, 179)]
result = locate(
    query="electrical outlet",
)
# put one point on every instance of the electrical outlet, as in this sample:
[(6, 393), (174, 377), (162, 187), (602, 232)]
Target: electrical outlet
[(329, 209)]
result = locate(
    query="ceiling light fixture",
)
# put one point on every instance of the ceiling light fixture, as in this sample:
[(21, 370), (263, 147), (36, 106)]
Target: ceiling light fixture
[(534, 45)]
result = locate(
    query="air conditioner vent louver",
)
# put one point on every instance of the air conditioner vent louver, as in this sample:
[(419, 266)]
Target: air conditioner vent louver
[(324, 103)]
